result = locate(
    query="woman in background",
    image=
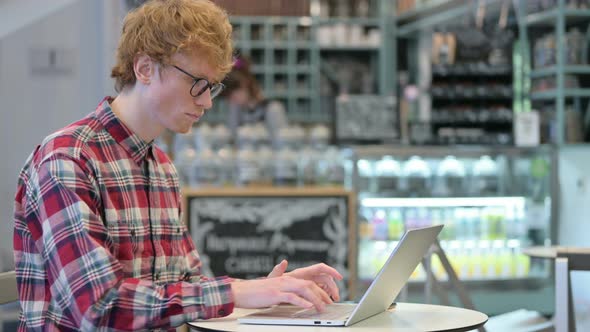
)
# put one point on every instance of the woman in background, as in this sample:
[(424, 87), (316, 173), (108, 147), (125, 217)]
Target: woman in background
[(247, 105)]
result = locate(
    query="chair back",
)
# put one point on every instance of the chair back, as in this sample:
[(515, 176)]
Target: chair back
[(8, 290)]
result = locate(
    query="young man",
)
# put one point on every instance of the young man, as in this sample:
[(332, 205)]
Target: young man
[(99, 242)]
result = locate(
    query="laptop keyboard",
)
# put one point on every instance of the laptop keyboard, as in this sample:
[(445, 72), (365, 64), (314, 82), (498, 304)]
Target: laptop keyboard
[(335, 311)]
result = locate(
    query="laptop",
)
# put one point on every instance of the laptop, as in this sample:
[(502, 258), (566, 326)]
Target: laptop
[(378, 298)]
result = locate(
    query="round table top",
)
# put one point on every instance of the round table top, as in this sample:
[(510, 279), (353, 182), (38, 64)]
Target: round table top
[(551, 251), (405, 317)]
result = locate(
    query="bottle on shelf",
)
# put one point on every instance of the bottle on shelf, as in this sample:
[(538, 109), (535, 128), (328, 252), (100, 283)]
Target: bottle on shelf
[(520, 261), (365, 226), (477, 266), (380, 225), (411, 218), (436, 217), (462, 230), (395, 224), (424, 218), (448, 219)]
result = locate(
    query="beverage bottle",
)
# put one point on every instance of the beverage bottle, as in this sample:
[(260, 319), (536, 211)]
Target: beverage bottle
[(475, 220), (489, 270), (462, 229), (365, 226), (485, 224), (395, 223), (424, 219), (505, 263), (463, 263), (436, 217), (364, 261), (499, 224), (411, 219), (449, 231), (520, 224), (380, 226), (520, 261), (477, 263)]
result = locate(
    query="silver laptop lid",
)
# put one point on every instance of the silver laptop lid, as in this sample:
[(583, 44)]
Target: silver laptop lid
[(395, 272)]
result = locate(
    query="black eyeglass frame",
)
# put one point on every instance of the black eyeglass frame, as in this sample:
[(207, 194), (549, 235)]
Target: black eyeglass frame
[(214, 88)]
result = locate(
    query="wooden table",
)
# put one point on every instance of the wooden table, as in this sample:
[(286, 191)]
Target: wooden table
[(566, 259)]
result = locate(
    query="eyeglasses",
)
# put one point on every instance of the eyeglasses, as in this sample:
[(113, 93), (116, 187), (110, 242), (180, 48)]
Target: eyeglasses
[(201, 85)]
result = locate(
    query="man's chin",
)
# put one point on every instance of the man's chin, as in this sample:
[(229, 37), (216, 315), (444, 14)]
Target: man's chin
[(183, 130)]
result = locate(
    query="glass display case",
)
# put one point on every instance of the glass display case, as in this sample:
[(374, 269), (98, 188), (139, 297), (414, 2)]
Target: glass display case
[(492, 201)]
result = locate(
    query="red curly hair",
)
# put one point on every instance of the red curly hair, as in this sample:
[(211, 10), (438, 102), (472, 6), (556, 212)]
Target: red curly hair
[(161, 28)]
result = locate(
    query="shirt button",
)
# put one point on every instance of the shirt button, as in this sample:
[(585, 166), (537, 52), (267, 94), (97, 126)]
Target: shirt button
[(157, 276), (178, 230), (187, 276), (133, 232), (221, 312)]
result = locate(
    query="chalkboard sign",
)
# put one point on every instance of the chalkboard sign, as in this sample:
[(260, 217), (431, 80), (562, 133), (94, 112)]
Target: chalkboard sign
[(245, 232)]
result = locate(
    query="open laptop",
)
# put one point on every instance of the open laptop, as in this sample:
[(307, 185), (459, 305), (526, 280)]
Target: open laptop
[(379, 297)]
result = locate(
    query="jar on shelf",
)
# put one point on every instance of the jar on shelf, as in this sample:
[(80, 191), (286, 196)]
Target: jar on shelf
[(265, 157), (227, 166), (306, 166), (485, 177), (205, 169), (247, 169), (330, 168), (291, 137), (246, 137), (319, 136), (285, 167), (451, 177), (387, 174), (201, 136), (220, 136), (184, 158), (417, 177)]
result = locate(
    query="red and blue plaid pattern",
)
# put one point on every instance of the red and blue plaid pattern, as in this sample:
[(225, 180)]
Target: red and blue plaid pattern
[(99, 243)]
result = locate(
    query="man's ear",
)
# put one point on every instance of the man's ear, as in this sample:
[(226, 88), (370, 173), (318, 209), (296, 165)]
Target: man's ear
[(144, 68)]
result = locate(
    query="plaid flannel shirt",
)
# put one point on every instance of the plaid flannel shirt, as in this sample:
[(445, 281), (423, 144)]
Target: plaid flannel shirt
[(99, 243)]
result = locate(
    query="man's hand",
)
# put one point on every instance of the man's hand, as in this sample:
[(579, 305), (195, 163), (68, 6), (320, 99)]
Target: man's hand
[(261, 293), (321, 274)]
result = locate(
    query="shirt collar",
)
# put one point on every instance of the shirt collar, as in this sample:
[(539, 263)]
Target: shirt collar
[(129, 141)]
